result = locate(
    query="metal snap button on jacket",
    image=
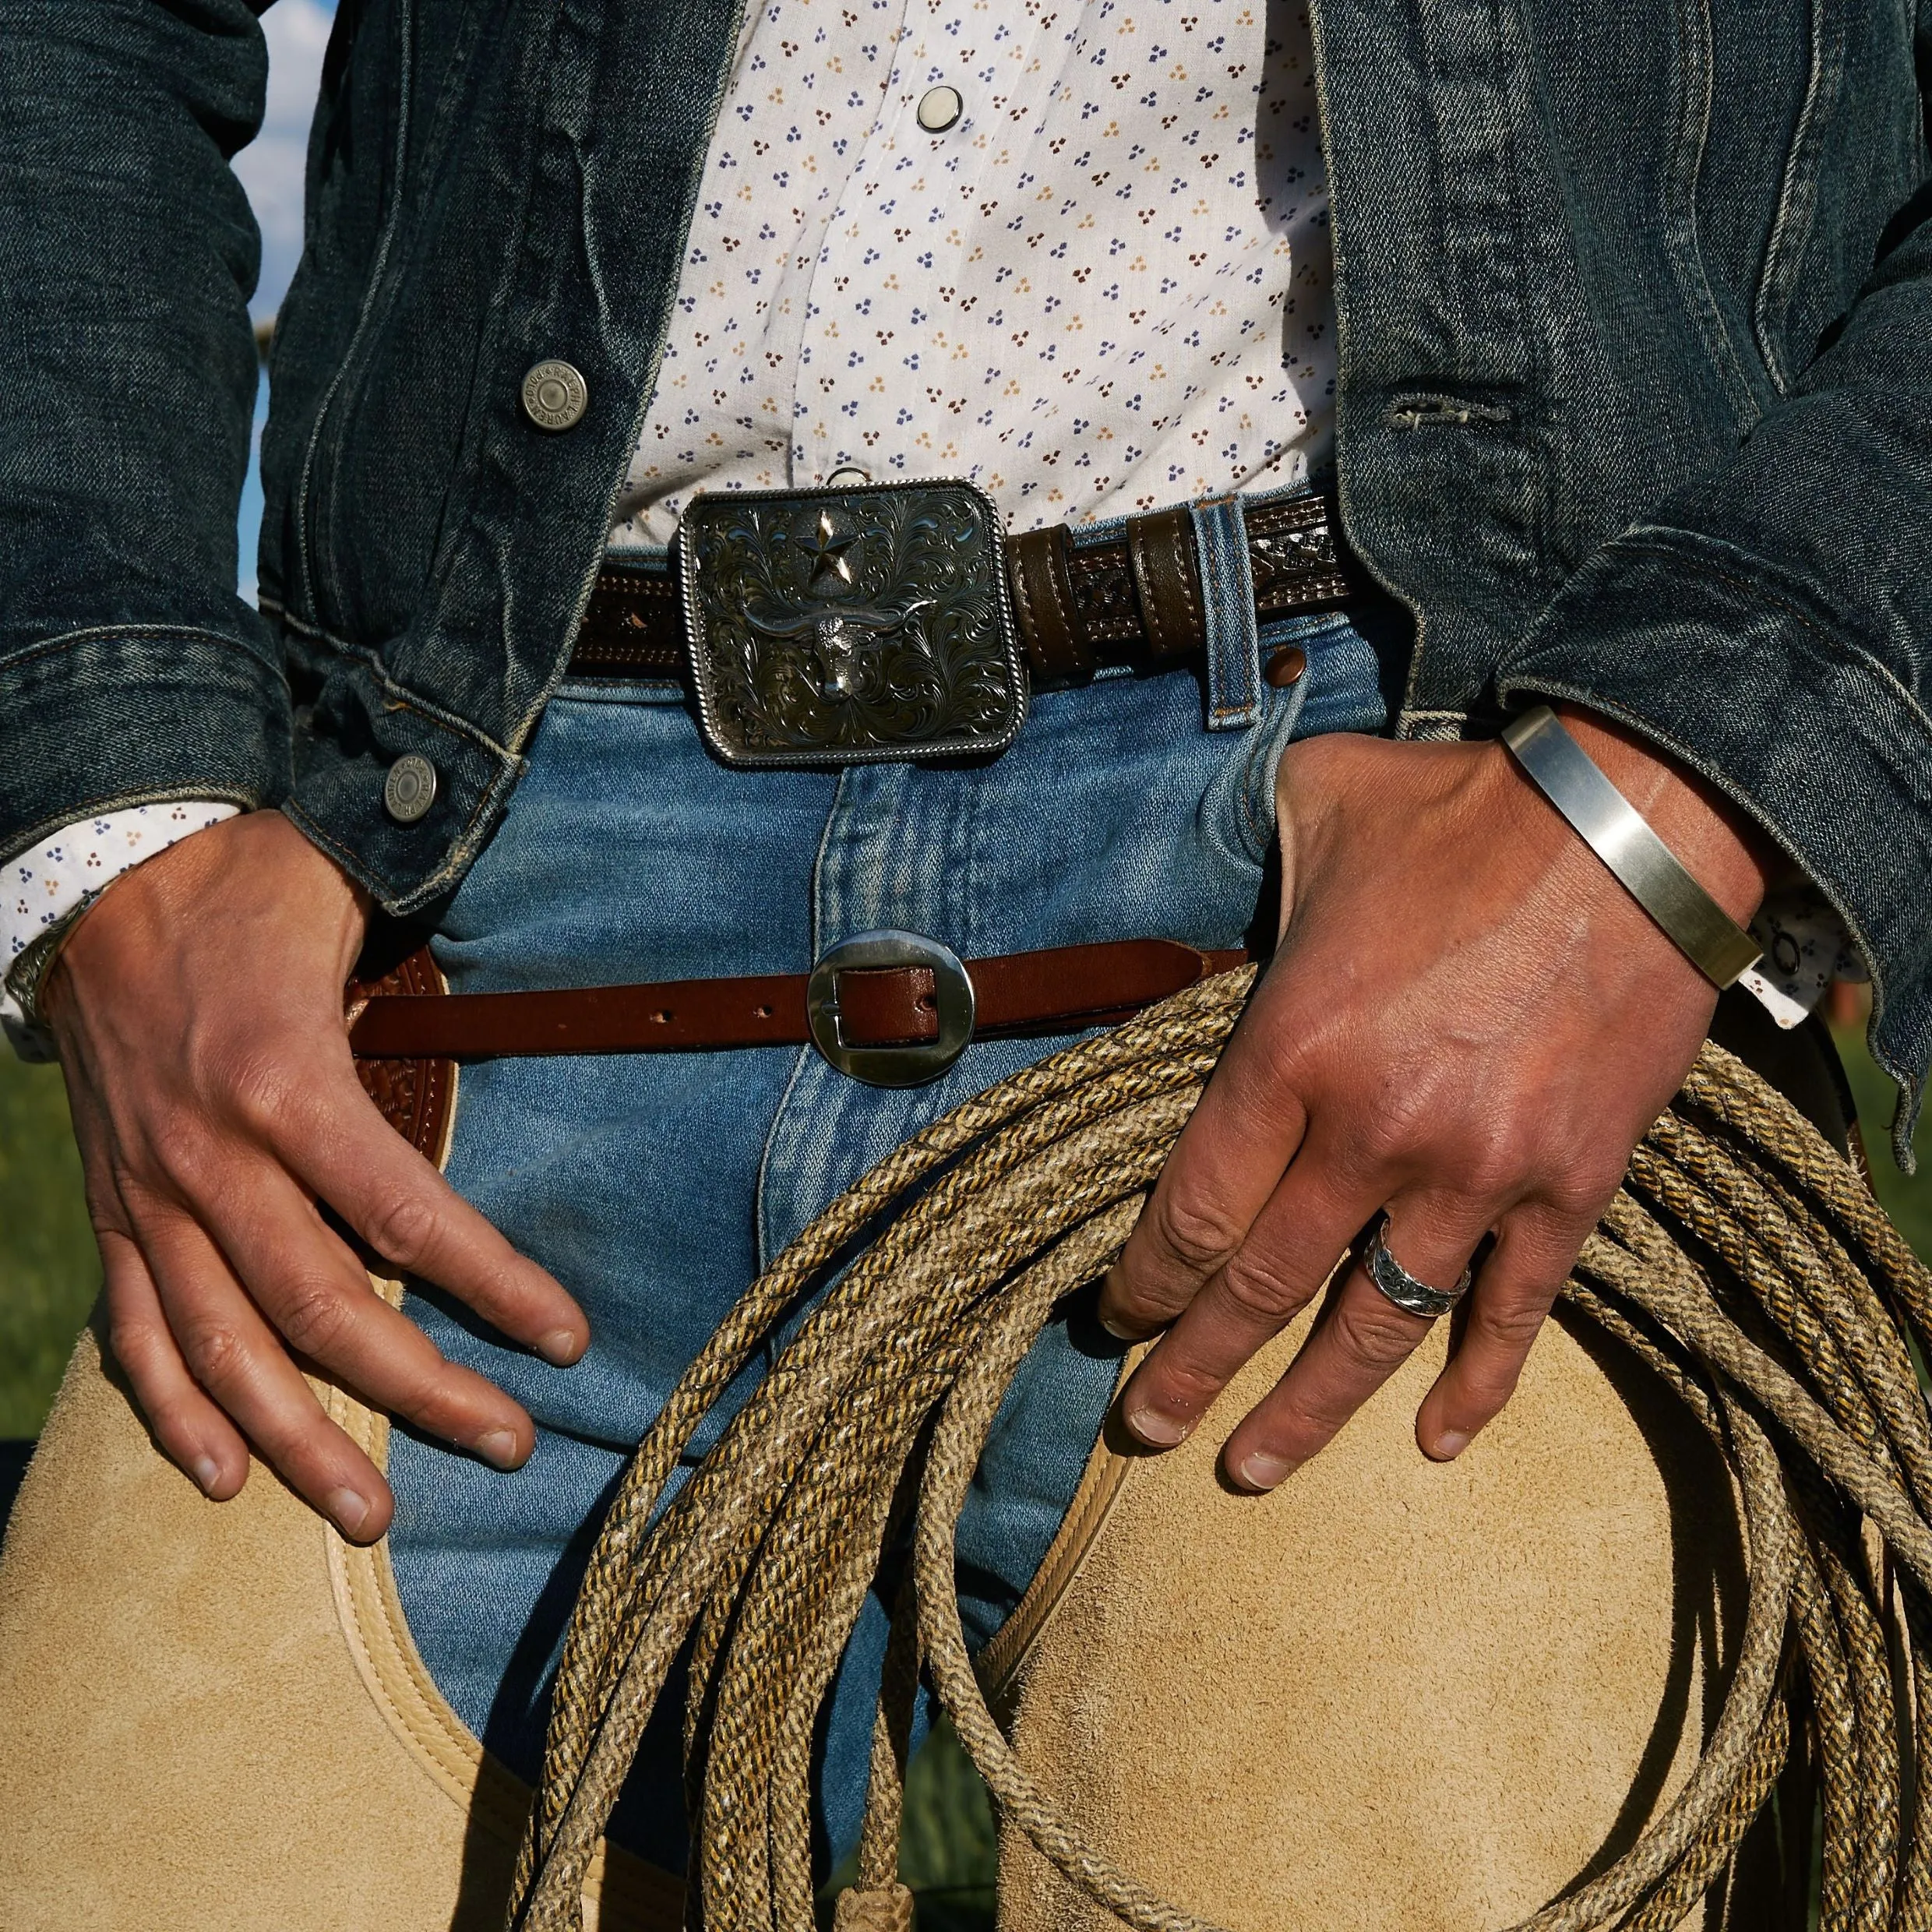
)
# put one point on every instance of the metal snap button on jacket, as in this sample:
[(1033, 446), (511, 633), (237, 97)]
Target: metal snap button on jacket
[(555, 396), (939, 108), (410, 790)]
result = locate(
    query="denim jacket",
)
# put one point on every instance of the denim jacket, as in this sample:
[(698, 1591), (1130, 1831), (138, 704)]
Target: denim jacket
[(1634, 407)]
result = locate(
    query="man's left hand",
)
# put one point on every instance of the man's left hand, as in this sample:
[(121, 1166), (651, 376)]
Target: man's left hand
[(1467, 1022)]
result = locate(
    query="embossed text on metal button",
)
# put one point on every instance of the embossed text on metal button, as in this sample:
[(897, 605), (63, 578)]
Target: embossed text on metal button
[(939, 108), (410, 790), (555, 396)]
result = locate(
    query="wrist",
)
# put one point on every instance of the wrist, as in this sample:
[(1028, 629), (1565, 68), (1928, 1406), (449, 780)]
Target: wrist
[(228, 892), (1722, 849)]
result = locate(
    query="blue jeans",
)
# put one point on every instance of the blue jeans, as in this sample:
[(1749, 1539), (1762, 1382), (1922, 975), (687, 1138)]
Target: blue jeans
[(655, 1186)]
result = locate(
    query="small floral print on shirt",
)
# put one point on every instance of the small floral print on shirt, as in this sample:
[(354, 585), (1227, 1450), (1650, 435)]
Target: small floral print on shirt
[(1106, 288)]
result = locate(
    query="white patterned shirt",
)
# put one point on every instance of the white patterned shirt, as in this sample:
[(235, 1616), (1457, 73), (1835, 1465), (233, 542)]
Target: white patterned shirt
[(1103, 288)]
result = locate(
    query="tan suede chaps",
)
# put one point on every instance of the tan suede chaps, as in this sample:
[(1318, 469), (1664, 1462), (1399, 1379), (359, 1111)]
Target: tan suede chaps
[(1395, 1697)]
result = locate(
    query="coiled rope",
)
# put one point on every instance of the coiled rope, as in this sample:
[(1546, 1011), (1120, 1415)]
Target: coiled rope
[(1744, 1260)]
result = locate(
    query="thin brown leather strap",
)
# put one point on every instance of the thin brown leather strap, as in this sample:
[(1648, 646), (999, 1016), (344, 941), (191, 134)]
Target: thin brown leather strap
[(1082, 986), (1161, 549), (664, 1015), (1043, 601), (1062, 988)]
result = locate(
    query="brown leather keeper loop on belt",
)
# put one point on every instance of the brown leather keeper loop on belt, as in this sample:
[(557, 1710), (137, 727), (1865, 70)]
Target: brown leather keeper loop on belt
[(1043, 600), (1160, 548)]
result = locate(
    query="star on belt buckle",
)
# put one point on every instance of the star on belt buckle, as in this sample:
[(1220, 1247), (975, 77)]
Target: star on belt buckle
[(839, 627)]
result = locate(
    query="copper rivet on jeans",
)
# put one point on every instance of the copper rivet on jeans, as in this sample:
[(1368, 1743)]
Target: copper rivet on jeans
[(410, 790), (555, 396), (1286, 666)]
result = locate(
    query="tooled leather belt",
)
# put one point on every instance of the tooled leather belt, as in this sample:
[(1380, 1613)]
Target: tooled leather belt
[(890, 1009), (837, 626)]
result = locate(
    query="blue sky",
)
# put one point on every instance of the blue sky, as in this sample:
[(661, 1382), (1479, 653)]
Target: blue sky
[(271, 170)]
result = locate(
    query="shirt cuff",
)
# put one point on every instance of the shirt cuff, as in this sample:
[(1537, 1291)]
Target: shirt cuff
[(45, 887), (1806, 948)]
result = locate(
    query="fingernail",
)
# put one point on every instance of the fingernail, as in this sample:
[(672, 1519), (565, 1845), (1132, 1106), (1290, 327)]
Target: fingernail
[(498, 1446), (1261, 1472), (561, 1347), (350, 1510), (1118, 1334), (207, 1473), (1157, 1430), (1449, 1444)]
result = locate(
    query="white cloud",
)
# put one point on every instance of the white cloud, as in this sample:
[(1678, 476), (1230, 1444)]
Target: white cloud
[(271, 166)]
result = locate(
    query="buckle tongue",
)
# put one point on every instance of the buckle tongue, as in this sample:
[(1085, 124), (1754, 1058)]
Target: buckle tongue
[(903, 1063), (839, 627)]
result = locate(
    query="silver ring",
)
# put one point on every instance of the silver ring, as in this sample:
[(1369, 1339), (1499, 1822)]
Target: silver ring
[(1411, 1296)]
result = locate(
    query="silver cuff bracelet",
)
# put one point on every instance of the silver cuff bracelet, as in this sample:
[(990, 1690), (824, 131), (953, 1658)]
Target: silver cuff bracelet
[(1647, 869)]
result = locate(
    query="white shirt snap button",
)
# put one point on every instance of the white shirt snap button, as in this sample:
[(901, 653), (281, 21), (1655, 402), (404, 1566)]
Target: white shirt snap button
[(939, 107)]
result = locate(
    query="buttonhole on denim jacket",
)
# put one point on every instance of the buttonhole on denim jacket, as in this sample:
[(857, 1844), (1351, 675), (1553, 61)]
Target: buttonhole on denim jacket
[(1428, 411)]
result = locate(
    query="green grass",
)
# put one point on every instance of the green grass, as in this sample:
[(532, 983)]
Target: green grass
[(1908, 1201), (49, 1271)]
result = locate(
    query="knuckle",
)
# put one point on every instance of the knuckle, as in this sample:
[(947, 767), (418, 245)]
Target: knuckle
[(1514, 1324), (1404, 1116), (131, 1339), (1185, 1387), (1259, 1288), (184, 1158), (1493, 1163), (1582, 1189), (436, 1399), (215, 1353), (1193, 1230), (402, 1227), (312, 1317), (250, 1084), (1374, 1334)]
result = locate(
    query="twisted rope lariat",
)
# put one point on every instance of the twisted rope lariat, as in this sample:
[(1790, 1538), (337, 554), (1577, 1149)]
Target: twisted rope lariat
[(1744, 1259)]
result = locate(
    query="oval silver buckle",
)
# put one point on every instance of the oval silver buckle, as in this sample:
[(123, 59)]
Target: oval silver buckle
[(917, 1062)]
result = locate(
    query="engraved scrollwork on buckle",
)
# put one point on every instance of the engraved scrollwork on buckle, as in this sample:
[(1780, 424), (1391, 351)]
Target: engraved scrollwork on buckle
[(849, 626)]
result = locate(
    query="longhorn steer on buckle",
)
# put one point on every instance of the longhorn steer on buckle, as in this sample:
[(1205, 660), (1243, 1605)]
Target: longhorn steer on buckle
[(839, 627), (919, 992)]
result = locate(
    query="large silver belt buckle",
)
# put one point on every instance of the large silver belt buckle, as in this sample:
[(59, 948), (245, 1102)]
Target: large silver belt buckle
[(849, 627), (914, 1063)]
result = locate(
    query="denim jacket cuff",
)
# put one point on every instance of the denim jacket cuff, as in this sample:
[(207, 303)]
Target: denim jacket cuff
[(98, 720), (1707, 654)]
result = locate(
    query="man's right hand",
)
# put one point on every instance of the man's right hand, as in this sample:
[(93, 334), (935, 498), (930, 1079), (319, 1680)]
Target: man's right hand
[(198, 1008)]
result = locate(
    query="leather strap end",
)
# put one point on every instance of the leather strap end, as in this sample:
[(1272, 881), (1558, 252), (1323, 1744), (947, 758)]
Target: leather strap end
[(1160, 548), (1057, 644)]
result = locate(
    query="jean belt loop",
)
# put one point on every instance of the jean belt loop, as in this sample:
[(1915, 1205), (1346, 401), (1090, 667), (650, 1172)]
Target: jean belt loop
[(1234, 643)]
